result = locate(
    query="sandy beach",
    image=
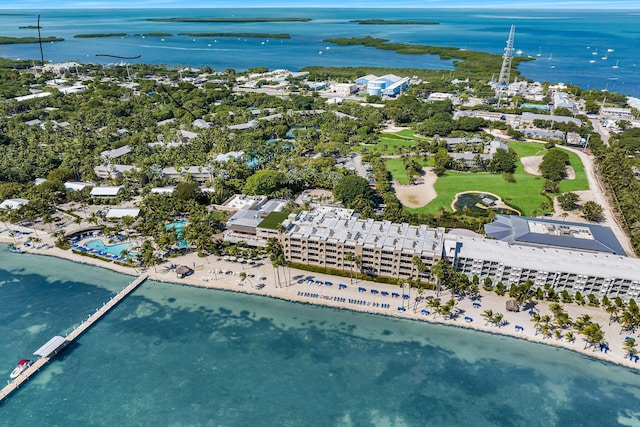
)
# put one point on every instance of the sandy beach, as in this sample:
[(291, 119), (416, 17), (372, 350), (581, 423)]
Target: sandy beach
[(363, 296)]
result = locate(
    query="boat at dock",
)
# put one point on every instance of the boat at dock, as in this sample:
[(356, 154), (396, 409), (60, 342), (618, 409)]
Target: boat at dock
[(20, 368), (15, 249)]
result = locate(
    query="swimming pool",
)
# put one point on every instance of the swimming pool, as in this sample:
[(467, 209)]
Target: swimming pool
[(98, 245), (178, 226)]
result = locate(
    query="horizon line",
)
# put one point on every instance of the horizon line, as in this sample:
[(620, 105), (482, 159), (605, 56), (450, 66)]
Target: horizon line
[(469, 7)]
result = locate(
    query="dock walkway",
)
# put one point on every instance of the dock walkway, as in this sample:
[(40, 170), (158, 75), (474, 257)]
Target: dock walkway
[(91, 320)]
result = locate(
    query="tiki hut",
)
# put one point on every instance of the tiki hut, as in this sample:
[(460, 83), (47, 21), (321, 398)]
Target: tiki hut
[(512, 305), (183, 271)]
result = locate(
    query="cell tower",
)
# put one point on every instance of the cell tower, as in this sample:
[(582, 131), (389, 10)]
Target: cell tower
[(505, 71)]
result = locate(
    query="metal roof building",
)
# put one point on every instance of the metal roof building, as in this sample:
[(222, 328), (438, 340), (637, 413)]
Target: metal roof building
[(550, 233), (51, 347)]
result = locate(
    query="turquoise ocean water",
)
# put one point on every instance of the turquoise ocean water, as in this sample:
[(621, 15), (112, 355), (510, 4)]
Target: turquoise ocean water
[(568, 37), (174, 355)]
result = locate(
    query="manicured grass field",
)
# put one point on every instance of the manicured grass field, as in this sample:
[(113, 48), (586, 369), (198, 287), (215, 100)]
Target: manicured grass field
[(524, 195), (398, 172), (388, 141)]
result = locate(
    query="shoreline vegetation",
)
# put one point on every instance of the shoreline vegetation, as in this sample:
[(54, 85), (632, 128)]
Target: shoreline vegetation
[(245, 35), (156, 35), (21, 40), (28, 27), (392, 22), (535, 328), (464, 60), (97, 35), (234, 20)]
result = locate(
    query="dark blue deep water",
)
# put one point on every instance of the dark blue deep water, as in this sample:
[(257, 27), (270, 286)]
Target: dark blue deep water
[(568, 36)]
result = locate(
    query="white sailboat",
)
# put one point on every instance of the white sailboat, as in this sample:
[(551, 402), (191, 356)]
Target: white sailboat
[(539, 52), (615, 66), (595, 52), (605, 57)]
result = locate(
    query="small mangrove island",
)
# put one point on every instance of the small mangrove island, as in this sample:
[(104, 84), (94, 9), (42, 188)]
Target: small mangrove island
[(245, 35), (234, 20), (28, 27), (392, 22), (97, 35), (470, 61), (20, 40), (157, 35)]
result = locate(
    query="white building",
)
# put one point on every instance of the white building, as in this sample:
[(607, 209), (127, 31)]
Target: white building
[(13, 204), (118, 213), (162, 190), (106, 192), (77, 186), (323, 237), (115, 153), (113, 171)]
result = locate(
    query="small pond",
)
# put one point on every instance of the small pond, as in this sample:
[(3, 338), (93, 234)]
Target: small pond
[(477, 204)]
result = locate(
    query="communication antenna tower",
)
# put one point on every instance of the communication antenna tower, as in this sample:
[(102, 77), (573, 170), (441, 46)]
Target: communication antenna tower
[(505, 71)]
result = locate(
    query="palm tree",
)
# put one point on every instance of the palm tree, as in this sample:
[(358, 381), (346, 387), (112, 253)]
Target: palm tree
[(350, 257), (434, 304), (630, 346), (569, 337), (488, 315)]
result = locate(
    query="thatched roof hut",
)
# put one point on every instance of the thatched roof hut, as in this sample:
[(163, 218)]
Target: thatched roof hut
[(183, 270), (512, 305)]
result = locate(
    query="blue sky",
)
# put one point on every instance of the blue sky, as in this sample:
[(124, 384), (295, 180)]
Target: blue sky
[(524, 4)]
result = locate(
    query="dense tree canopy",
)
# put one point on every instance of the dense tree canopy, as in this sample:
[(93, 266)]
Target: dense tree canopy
[(554, 164), (265, 182), (352, 189)]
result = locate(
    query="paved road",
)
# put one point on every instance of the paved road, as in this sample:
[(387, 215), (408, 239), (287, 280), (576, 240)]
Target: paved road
[(599, 194), (604, 133), (600, 197), (357, 163)]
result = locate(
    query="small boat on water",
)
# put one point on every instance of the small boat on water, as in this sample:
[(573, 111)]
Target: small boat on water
[(15, 249), (20, 368), (616, 66)]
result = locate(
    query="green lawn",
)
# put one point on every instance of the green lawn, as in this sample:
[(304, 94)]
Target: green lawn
[(388, 141), (409, 133), (398, 173), (397, 170), (273, 220), (523, 195)]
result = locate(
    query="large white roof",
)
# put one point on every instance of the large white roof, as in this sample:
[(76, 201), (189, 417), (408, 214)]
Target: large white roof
[(13, 203), (106, 191), (122, 212)]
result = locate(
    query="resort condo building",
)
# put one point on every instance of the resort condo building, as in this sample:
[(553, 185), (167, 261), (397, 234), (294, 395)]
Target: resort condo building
[(336, 238)]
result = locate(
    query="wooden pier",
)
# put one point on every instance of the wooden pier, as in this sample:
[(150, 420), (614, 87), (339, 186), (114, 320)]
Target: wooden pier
[(35, 367)]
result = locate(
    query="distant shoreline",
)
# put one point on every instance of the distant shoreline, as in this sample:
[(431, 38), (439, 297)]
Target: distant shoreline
[(235, 20), (246, 35), (21, 40), (98, 35), (392, 22)]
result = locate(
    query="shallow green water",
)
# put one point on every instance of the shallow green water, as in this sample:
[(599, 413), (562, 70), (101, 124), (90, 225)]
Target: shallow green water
[(174, 355)]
